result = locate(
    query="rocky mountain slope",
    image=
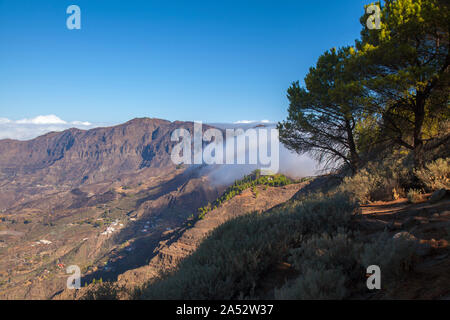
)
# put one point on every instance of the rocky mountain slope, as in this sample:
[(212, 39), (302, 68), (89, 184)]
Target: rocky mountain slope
[(426, 222), (65, 160), (84, 198), (178, 243)]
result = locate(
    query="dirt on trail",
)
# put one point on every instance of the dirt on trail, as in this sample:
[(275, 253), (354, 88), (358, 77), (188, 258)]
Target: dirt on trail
[(429, 224)]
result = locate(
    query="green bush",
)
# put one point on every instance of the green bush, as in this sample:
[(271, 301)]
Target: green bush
[(315, 285), (328, 265), (414, 195), (104, 291), (326, 252), (379, 180), (250, 181), (333, 267), (394, 256), (436, 174)]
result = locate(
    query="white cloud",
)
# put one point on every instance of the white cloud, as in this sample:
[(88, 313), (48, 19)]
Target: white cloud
[(251, 121), (290, 163), (81, 123), (50, 119), (26, 129), (244, 121)]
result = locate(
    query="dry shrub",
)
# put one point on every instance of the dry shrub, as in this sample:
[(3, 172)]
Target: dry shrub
[(414, 195), (106, 291), (322, 284), (384, 181), (333, 267), (436, 174)]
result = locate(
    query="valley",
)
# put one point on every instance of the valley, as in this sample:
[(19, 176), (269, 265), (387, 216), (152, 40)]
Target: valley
[(105, 224)]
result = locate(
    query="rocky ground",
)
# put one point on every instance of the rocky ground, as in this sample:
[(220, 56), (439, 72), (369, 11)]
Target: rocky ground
[(103, 232), (429, 224)]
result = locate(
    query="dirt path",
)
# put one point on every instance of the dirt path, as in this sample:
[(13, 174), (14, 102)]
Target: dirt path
[(430, 224)]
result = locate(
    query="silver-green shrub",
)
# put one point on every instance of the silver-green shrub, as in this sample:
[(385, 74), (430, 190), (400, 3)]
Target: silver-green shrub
[(436, 174)]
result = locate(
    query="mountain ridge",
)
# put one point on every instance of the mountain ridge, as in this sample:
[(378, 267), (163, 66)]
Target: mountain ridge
[(77, 157)]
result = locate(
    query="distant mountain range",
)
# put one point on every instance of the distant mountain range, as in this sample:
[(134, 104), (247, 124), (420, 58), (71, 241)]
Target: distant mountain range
[(77, 157), (73, 197)]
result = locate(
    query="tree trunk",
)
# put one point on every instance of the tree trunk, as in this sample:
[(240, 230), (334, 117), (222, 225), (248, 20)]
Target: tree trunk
[(419, 116), (354, 157)]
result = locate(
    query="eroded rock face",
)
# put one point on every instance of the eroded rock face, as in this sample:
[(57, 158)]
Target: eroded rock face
[(87, 194), (76, 157)]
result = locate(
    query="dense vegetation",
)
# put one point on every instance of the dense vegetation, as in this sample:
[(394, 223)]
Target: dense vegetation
[(315, 234), (249, 181), (232, 260)]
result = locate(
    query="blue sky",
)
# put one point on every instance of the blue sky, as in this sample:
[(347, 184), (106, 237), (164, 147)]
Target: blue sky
[(215, 61)]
